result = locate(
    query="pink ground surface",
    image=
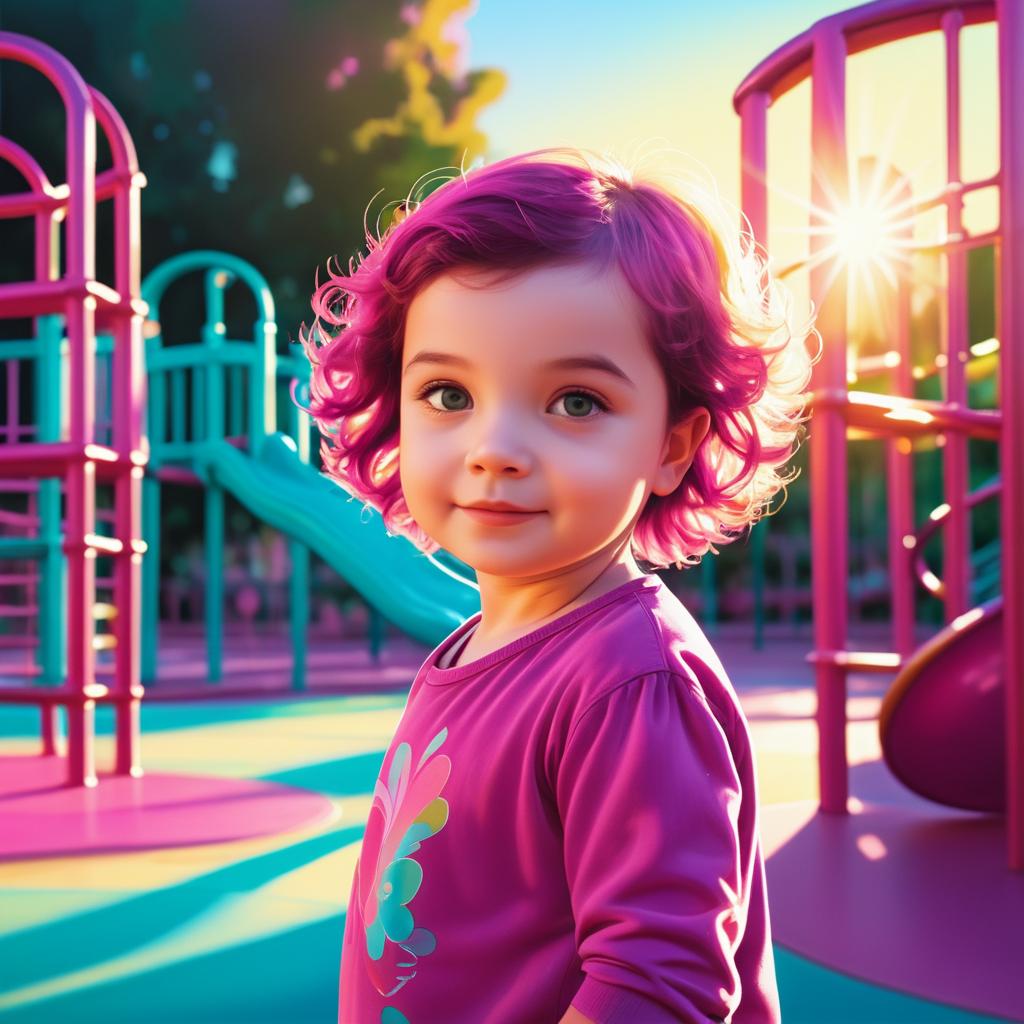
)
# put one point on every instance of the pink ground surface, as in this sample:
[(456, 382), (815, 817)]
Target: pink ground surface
[(41, 817), (902, 893)]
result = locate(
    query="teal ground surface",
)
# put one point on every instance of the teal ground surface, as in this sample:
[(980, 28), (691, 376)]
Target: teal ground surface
[(289, 977)]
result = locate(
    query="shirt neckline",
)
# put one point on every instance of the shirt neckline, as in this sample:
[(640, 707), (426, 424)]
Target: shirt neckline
[(437, 676)]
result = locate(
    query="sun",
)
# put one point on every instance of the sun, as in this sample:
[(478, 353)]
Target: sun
[(863, 236), (871, 234), (867, 235)]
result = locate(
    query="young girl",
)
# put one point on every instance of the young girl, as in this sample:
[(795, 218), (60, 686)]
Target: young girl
[(565, 825)]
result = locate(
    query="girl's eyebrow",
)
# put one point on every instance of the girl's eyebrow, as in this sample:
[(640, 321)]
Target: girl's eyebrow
[(565, 363)]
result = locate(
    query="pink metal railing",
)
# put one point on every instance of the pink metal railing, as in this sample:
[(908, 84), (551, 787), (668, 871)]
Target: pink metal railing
[(820, 54), (1010, 325), (80, 459)]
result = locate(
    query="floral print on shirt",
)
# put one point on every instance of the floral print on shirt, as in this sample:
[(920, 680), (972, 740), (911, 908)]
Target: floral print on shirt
[(405, 812)]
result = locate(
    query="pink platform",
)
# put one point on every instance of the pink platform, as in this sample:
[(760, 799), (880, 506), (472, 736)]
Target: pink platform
[(41, 817), (902, 893)]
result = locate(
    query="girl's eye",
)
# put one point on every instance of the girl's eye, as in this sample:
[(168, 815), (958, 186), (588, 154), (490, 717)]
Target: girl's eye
[(573, 399), (447, 392), (453, 393)]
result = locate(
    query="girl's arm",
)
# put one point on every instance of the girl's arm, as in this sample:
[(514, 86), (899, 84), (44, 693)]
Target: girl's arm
[(659, 858)]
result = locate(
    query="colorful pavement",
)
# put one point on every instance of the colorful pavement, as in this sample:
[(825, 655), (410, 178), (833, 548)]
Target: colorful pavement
[(248, 929)]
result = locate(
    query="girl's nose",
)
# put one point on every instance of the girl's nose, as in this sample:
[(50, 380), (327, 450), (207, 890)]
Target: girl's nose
[(498, 448)]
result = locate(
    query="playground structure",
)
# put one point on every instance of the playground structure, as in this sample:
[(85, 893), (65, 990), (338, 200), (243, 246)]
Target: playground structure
[(951, 722), (68, 450), (820, 54), (78, 460), (234, 388)]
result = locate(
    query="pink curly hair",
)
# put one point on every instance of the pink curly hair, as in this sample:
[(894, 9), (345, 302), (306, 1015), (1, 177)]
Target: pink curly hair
[(717, 321)]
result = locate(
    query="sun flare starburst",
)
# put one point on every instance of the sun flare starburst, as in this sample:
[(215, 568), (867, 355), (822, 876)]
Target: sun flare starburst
[(869, 235)]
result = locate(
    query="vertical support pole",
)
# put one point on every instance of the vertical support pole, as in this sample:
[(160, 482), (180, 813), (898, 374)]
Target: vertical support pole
[(754, 204), (127, 625), (80, 525), (1010, 311), (377, 624), (236, 409), (155, 413), (214, 594), (79, 475), (199, 415), (213, 339), (298, 590), (150, 621), (956, 559), (301, 578), (828, 458), (302, 422), (128, 388), (263, 384), (129, 391), (899, 451)]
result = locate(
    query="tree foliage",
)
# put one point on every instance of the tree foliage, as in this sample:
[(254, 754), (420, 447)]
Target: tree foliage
[(264, 128)]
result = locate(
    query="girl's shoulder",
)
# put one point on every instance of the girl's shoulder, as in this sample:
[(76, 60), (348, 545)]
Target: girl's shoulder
[(609, 646), (653, 634)]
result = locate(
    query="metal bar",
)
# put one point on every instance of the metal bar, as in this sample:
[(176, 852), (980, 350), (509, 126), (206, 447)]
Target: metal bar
[(1010, 308), (298, 587), (957, 536), (178, 405), (828, 458), (80, 524), (863, 26), (900, 471), (754, 204)]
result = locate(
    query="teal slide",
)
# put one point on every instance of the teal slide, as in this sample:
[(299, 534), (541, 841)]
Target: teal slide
[(426, 596)]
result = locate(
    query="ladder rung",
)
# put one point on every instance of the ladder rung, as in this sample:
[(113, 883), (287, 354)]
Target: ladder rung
[(13, 643), (865, 661)]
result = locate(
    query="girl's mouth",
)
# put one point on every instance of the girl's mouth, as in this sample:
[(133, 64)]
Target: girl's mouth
[(492, 518)]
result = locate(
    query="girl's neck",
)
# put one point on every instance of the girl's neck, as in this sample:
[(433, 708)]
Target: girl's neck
[(511, 608)]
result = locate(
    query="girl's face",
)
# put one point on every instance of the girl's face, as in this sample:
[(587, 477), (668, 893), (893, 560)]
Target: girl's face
[(497, 405)]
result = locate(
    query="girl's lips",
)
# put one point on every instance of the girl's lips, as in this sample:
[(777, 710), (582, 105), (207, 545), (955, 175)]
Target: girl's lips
[(492, 518)]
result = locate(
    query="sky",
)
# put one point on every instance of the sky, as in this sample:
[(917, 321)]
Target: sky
[(635, 76)]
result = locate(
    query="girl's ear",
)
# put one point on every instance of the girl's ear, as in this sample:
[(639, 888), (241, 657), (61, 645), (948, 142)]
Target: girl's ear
[(680, 447)]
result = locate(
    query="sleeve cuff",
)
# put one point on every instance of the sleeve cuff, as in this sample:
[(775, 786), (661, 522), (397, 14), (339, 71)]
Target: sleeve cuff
[(610, 1004)]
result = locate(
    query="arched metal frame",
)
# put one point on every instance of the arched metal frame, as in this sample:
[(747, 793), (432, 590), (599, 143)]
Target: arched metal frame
[(217, 367), (78, 459), (819, 54)]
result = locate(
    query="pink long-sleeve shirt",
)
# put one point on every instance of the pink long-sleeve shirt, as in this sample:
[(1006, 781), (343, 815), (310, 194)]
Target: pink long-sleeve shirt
[(571, 818)]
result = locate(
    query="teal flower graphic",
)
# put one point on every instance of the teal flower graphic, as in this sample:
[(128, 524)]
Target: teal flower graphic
[(406, 811)]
